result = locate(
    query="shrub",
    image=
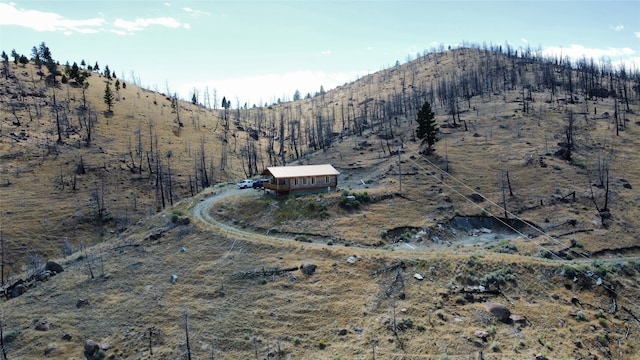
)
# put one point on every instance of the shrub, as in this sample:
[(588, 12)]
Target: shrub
[(602, 321), (322, 344), (405, 324), (303, 238), (506, 247), (10, 336), (545, 254), (175, 214), (581, 316), (498, 277), (602, 339), (569, 272), (353, 200)]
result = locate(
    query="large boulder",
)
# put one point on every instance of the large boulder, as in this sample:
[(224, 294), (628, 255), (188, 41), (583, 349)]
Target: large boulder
[(43, 325), (17, 291), (54, 267), (500, 311), (308, 269), (92, 350)]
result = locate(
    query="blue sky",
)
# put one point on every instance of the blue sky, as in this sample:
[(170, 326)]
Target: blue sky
[(258, 51)]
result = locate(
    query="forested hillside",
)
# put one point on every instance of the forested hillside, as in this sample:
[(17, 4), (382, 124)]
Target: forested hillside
[(95, 153), (516, 236)]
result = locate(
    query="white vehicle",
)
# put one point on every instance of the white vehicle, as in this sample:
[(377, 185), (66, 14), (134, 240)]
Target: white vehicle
[(245, 184)]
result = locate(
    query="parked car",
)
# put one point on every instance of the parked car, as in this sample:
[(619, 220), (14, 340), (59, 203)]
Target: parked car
[(259, 184), (245, 184)]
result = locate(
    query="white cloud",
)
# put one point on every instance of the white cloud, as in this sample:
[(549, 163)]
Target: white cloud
[(194, 13), (120, 32), (618, 27), (47, 21), (141, 24), (577, 51), (269, 87), (617, 56), (524, 40), (637, 34), (326, 52)]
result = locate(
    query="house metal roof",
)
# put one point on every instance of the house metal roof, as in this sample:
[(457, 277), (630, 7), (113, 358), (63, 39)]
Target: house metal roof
[(280, 172)]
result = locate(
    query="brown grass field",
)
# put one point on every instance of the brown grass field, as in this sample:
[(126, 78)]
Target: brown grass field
[(360, 303)]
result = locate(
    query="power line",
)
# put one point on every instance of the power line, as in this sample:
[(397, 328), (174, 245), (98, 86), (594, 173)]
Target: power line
[(588, 275)]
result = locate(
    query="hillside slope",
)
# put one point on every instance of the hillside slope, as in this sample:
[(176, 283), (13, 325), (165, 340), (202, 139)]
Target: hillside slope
[(502, 154)]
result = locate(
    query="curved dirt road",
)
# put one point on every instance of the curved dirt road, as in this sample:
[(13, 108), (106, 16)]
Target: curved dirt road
[(202, 211)]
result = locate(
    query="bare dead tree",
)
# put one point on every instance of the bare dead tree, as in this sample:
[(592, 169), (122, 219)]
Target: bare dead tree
[(569, 136), (2, 260), (603, 177), (2, 345), (186, 330), (169, 185), (55, 109)]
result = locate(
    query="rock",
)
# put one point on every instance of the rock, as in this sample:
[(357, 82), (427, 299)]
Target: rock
[(18, 290), (342, 332), (82, 302), (67, 336), (476, 198), (173, 278), (43, 325), (308, 269), (91, 349), (576, 301), (418, 276), (181, 220), (499, 311), (54, 267), (155, 234), (351, 259), (43, 275), (49, 350), (519, 320), (481, 334)]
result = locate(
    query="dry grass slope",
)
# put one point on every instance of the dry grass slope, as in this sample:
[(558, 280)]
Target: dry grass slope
[(350, 308)]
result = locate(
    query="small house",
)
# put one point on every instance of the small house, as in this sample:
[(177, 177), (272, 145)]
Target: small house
[(302, 179)]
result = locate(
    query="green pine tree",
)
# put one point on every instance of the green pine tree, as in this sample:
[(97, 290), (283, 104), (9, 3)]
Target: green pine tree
[(108, 96), (427, 127)]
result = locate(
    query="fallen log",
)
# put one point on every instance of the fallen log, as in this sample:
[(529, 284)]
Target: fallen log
[(390, 268), (264, 272)]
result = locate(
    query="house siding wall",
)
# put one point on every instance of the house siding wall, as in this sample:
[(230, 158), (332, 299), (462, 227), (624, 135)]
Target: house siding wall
[(305, 184)]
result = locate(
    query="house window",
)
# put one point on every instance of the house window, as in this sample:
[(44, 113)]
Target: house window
[(326, 180), (304, 181), (313, 180), (295, 181)]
